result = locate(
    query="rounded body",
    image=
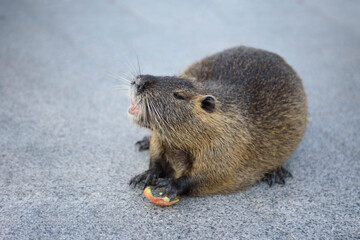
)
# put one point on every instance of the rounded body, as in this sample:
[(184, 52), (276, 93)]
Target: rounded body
[(223, 123)]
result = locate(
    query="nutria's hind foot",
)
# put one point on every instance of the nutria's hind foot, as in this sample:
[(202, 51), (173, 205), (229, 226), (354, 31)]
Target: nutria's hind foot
[(277, 176), (143, 144)]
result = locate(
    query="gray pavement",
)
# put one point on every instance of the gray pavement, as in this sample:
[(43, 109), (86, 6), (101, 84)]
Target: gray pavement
[(66, 144)]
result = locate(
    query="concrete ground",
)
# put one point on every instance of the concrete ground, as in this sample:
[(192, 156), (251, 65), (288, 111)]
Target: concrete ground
[(67, 147)]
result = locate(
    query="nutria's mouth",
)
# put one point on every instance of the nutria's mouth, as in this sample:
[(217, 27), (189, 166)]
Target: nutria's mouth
[(136, 111), (133, 110)]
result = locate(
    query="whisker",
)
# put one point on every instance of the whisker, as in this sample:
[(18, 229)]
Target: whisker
[(122, 90), (157, 117), (133, 68), (126, 75), (166, 125), (154, 116), (122, 77), (125, 64), (157, 110), (162, 119), (138, 63), (146, 114), (125, 79), (129, 75), (118, 78), (122, 87)]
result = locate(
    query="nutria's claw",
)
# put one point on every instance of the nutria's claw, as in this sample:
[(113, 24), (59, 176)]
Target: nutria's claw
[(148, 177), (169, 187), (135, 180), (151, 179), (143, 144), (277, 176)]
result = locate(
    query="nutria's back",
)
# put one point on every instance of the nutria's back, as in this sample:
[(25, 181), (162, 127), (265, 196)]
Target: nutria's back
[(262, 90), (224, 123), (255, 79)]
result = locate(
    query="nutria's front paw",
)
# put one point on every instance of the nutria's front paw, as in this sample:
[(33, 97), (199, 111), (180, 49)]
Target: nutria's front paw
[(143, 144), (170, 188), (148, 177)]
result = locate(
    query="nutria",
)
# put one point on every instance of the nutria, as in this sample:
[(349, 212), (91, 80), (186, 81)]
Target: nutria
[(223, 124)]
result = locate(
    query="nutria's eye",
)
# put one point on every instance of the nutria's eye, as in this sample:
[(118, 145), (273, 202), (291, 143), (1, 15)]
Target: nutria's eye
[(178, 96)]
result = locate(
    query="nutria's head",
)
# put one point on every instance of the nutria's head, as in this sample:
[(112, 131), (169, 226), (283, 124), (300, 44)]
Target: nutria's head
[(170, 104)]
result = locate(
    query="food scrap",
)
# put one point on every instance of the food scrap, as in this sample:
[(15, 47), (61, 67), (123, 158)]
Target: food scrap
[(164, 201)]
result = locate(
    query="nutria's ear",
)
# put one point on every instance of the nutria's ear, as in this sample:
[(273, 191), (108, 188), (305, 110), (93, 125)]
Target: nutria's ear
[(208, 103)]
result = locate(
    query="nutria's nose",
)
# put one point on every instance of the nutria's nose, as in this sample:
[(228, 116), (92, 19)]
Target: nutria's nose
[(143, 82)]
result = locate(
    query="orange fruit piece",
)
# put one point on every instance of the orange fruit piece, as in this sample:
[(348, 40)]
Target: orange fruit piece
[(164, 201)]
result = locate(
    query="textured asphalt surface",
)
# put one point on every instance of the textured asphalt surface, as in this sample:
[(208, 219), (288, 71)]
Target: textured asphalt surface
[(67, 147)]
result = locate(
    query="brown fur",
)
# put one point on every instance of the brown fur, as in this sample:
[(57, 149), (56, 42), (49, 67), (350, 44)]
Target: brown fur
[(258, 121)]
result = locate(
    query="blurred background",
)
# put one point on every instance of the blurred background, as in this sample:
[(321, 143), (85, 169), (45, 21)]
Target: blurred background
[(67, 147)]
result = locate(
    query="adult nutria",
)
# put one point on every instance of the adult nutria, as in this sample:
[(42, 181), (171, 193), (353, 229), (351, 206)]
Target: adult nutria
[(223, 124)]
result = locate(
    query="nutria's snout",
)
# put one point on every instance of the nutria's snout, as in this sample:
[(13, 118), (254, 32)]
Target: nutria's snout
[(134, 111), (138, 110), (142, 82)]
